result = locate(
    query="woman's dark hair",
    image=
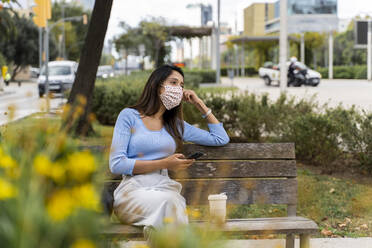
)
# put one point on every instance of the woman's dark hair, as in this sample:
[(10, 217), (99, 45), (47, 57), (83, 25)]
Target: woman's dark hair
[(149, 102)]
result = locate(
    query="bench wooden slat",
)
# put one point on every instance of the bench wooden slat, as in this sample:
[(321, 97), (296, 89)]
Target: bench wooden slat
[(240, 151), (238, 169), (123, 230), (277, 225), (284, 225), (241, 191)]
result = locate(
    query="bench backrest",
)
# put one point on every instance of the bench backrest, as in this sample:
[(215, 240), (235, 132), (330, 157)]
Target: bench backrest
[(249, 173)]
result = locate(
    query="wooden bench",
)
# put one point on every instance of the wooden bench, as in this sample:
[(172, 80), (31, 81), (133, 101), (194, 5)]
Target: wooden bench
[(249, 174)]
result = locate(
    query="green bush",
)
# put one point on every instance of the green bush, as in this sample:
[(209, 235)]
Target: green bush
[(345, 72), (316, 138), (248, 71), (206, 76), (110, 98)]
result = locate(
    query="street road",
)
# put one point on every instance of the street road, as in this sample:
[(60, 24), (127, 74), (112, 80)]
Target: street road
[(25, 101), (337, 91)]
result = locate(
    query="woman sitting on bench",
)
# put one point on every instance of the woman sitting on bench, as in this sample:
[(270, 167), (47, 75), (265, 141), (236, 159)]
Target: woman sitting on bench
[(143, 147)]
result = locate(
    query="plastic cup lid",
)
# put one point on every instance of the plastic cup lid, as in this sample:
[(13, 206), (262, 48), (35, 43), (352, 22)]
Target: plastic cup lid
[(221, 196)]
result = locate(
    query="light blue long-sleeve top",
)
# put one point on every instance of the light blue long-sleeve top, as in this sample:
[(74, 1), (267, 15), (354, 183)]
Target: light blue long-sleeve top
[(132, 141)]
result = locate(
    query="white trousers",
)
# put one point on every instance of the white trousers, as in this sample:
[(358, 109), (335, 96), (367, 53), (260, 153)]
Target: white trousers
[(150, 200)]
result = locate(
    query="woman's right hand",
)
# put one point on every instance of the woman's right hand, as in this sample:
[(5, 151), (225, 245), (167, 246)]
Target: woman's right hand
[(177, 162)]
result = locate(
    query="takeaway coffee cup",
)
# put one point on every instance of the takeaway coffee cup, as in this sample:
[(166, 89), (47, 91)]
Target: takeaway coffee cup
[(217, 207)]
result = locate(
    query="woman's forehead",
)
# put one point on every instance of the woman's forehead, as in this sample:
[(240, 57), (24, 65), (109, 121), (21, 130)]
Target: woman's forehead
[(176, 75)]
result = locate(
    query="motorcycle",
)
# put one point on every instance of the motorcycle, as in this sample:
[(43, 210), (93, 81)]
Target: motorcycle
[(302, 77)]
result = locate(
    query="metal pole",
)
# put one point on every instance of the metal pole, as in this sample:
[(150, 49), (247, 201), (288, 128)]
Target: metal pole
[(243, 65), (212, 53), (369, 52), (200, 53), (302, 48), (236, 60), (283, 45), (190, 41), (63, 34), (218, 67), (46, 47), (330, 60), (40, 49)]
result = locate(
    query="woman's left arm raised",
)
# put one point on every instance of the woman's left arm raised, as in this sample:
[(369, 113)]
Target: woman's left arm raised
[(216, 136)]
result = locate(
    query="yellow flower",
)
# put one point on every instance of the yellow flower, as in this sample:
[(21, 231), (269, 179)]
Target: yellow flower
[(83, 243), (195, 214), (60, 205), (82, 100), (57, 173), (141, 246), (65, 111), (7, 190), (43, 165), (86, 197), (7, 162), (81, 165), (168, 220)]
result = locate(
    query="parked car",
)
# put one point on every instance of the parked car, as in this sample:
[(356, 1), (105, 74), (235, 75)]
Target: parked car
[(105, 71), (271, 73), (34, 72), (61, 76)]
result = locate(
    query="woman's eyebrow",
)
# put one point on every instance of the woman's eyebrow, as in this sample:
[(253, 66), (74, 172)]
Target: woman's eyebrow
[(175, 79)]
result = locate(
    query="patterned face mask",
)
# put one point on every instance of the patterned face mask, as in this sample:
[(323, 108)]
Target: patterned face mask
[(172, 96)]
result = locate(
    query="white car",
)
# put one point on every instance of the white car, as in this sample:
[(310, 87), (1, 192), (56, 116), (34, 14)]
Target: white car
[(271, 73), (105, 71), (61, 76)]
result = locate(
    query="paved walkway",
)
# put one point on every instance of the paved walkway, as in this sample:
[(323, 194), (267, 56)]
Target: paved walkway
[(280, 243), (337, 91)]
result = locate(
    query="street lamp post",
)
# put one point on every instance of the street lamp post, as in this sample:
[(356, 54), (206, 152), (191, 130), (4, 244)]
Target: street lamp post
[(330, 59), (369, 51), (302, 48), (283, 40), (218, 64)]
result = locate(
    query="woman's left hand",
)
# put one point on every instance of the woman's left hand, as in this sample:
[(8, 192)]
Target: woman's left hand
[(190, 97)]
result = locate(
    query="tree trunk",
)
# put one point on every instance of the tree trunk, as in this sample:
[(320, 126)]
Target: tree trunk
[(15, 72), (86, 74)]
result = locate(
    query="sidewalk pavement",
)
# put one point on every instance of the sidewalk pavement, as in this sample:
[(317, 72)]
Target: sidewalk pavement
[(6, 92), (347, 92), (280, 243)]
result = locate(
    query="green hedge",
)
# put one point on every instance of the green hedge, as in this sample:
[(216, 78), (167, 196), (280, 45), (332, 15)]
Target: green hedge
[(322, 135), (248, 71), (345, 72)]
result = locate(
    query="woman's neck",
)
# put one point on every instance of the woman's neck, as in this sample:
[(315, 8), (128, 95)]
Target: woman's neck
[(159, 115)]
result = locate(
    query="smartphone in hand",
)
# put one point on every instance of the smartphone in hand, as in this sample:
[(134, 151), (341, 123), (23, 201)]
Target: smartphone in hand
[(195, 155)]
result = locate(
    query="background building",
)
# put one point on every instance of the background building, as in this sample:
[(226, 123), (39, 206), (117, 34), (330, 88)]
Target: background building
[(255, 17), (306, 16)]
